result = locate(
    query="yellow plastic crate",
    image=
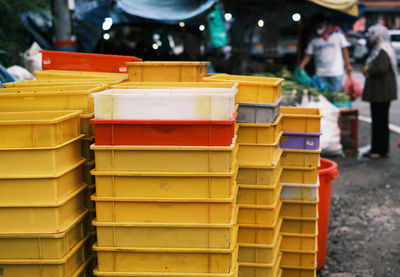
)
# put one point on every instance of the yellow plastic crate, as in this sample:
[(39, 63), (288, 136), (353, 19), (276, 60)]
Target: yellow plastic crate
[(258, 175), (86, 175), (87, 153), (39, 162), (45, 190), (300, 258), (259, 234), (56, 83), (32, 218), (42, 246), (298, 225), (166, 235), (166, 71), (169, 260), (259, 154), (303, 120), (257, 133), (138, 85), (166, 185), (260, 253), (300, 158), (87, 128), (258, 214), (38, 129), (259, 269), (164, 158), (69, 265), (233, 273), (44, 101), (83, 270), (70, 75), (184, 210), (299, 208), (299, 272), (296, 242), (89, 191), (252, 89), (299, 175), (258, 195), (89, 88)]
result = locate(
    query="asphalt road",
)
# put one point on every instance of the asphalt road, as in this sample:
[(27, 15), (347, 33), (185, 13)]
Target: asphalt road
[(364, 231)]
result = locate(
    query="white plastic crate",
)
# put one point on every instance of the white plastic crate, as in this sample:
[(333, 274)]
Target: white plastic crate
[(165, 104), (306, 192)]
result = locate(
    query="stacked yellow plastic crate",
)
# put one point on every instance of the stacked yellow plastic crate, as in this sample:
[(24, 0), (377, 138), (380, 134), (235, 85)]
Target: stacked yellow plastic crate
[(259, 172), (300, 161), (162, 210), (41, 195), (62, 92)]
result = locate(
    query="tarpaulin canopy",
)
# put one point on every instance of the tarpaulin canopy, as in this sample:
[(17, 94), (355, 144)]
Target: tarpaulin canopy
[(349, 7), (89, 15), (167, 11)]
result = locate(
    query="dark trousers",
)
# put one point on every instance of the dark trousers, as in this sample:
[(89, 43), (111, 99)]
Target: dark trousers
[(380, 127)]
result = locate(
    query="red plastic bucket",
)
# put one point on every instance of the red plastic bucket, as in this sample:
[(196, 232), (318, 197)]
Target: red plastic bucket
[(327, 172)]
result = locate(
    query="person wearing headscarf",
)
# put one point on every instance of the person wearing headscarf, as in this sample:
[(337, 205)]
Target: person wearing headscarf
[(380, 87)]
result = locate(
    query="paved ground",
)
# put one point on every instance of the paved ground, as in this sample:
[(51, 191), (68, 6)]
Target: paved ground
[(364, 235)]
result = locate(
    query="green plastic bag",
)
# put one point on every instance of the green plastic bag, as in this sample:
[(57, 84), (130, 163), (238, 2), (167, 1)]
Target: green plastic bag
[(216, 26), (301, 76)]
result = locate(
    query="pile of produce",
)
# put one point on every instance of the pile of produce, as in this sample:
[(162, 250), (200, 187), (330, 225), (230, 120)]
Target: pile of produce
[(293, 92)]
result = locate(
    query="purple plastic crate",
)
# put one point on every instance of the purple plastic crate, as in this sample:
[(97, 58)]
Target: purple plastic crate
[(305, 141)]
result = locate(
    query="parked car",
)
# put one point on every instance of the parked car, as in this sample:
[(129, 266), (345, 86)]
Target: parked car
[(395, 38)]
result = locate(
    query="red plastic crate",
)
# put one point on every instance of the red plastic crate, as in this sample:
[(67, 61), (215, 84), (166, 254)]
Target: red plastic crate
[(164, 132), (60, 60)]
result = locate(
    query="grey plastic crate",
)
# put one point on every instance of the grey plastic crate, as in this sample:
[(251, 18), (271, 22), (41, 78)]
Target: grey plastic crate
[(258, 113)]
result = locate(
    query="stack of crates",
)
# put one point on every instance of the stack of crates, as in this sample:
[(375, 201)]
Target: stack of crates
[(259, 132), (300, 162), (42, 230), (94, 81), (57, 92), (165, 181)]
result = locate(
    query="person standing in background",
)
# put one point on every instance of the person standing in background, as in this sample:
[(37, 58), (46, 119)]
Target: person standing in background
[(328, 46), (380, 88)]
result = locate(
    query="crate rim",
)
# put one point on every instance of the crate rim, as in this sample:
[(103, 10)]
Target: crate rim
[(166, 63), (261, 125), (47, 235), (231, 173), (59, 174), (48, 205), (258, 80), (165, 148), (302, 151), (162, 122), (43, 148), (233, 247), (47, 261), (63, 115)]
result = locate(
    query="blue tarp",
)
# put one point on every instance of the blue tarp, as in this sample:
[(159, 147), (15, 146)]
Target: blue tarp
[(89, 16), (166, 11)]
